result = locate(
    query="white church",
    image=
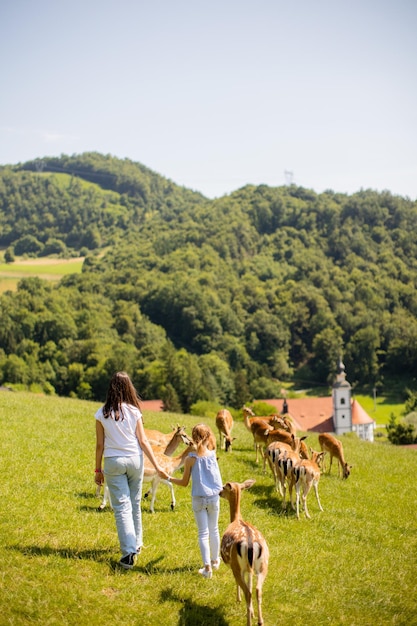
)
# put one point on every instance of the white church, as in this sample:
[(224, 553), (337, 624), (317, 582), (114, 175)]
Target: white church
[(338, 413)]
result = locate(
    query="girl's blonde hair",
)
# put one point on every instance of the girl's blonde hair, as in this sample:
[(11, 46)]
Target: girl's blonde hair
[(203, 437)]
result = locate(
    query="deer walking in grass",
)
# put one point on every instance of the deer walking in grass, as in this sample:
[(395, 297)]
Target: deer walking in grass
[(307, 475), (334, 447), (245, 550)]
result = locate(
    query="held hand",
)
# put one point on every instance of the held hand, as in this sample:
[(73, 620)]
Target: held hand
[(163, 474)]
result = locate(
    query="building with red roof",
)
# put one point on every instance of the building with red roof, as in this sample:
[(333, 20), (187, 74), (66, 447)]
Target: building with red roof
[(338, 413)]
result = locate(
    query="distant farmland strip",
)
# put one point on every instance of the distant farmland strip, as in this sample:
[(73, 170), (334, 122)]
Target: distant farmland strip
[(47, 269)]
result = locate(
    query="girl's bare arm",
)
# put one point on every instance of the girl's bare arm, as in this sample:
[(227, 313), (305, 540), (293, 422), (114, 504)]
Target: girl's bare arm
[(183, 482)]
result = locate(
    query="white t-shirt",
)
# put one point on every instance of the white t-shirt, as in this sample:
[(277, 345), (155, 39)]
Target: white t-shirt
[(120, 436)]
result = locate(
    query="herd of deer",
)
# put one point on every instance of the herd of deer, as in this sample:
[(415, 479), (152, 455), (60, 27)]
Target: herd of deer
[(243, 547)]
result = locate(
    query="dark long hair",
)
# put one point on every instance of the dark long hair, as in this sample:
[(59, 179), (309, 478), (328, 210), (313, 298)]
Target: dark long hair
[(121, 389)]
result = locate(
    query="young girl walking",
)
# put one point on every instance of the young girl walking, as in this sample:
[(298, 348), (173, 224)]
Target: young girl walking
[(207, 483)]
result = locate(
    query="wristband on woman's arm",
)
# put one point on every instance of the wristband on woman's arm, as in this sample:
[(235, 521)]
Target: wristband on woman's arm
[(98, 471)]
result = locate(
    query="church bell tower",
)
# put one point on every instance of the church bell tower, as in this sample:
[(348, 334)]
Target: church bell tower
[(342, 405)]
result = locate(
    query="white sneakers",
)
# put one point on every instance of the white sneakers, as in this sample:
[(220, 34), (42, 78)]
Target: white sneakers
[(208, 573)]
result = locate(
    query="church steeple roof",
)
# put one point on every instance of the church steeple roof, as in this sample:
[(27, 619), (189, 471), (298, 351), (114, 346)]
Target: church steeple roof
[(341, 375)]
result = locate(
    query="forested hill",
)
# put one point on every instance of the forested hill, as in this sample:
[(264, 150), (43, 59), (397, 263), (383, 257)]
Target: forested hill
[(202, 299)]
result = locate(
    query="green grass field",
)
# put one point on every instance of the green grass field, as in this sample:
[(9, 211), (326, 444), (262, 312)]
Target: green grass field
[(382, 409), (46, 268), (352, 564)]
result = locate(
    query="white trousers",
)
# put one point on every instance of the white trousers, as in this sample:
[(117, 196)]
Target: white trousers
[(206, 513)]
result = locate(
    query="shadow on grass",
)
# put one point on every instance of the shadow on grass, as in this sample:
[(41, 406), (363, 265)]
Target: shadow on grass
[(100, 556), (255, 467), (87, 495), (273, 506), (194, 614), (261, 490), (270, 500), (96, 508), (65, 553), (153, 567)]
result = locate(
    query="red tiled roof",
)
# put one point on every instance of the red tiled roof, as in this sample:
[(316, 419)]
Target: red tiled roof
[(316, 414), (151, 405), (359, 415)]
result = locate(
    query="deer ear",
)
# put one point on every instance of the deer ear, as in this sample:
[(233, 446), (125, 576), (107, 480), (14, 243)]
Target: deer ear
[(248, 483)]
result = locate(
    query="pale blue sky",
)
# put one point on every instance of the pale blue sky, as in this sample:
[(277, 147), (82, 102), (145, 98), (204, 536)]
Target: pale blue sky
[(215, 95)]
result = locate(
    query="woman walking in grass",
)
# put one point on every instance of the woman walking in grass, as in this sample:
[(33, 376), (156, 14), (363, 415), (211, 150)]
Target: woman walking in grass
[(207, 483), (121, 441)]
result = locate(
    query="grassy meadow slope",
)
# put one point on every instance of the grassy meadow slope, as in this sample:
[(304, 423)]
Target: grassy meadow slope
[(353, 564), (47, 268)]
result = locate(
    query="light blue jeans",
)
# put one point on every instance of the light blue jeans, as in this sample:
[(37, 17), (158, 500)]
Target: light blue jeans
[(124, 478), (206, 513)]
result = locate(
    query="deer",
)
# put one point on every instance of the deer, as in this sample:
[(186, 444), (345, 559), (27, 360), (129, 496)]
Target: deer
[(260, 436), (286, 423), (244, 549), (170, 465), (307, 475), (169, 441), (255, 421), (283, 458), (263, 435), (334, 447), (173, 441), (224, 423), (296, 444)]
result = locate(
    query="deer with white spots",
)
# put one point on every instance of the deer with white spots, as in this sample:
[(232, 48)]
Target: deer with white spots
[(245, 550)]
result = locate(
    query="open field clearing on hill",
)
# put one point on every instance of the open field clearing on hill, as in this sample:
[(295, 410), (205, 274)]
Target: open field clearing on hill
[(45, 268), (352, 564)]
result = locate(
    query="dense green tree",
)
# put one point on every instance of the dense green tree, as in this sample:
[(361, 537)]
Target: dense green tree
[(28, 244), (9, 255), (203, 299), (400, 433)]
